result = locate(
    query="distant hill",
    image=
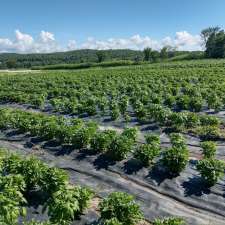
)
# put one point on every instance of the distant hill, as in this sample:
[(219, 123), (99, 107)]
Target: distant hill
[(13, 60), (71, 57)]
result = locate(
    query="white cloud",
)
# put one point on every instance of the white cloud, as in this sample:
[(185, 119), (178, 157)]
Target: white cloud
[(25, 43), (182, 41), (185, 41), (46, 42), (47, 36), (20, 37), (72, 45)]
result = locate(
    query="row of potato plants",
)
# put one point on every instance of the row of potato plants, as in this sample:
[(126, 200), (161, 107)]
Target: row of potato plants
[(115, 90), (20, 177), (114, 145)]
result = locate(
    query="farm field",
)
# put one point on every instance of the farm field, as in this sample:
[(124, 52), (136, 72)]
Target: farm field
[(156, 132)]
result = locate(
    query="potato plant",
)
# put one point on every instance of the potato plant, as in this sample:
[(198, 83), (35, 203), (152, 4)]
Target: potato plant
[(175, 158), (130, 133), (152, 139), (169, 221), (120, 208), (113, 221), (211, 170), (177, 140), (146, 153), (120, 147), (102, 140), (209, 149), (67, 203)]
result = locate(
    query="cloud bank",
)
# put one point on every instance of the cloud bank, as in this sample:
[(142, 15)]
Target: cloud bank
[(46, 42)]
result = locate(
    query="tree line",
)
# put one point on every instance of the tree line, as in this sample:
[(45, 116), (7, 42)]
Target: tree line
[(13, 60)]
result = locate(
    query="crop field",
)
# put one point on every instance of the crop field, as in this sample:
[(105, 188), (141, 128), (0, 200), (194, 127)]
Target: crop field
[(129, 145)]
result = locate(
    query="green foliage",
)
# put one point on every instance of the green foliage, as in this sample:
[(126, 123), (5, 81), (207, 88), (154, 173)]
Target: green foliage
[(11, 199), (123, 104), (209, 132), (113, 221), (214, 38), (152, 138), (183, 102), (28, 175), (67, 203), (130, 133), (33, 171), (146, 153), (169, 221), (54, 179), (176, 157), (115, 113), (120, 147), (100, 56), (177, 140), (83, 136), (33, 222), (211, 170), (147, 54), (209, 120), (120, 207), (209, 149), (102, 140)]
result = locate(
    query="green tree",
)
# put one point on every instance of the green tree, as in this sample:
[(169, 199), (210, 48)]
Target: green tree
[(147, 54), (154, 56), (100, 55), (206, 33), (11, 63), (164, 53), (214, 41)]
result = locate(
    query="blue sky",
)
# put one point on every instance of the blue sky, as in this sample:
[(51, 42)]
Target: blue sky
[(74, 21)]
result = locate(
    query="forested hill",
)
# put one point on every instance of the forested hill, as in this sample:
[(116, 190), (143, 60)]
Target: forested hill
[(12, 60)]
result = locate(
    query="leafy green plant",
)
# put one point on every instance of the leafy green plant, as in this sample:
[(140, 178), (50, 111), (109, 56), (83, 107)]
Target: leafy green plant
[(33, 172), (209, 120), (211, 170), (115, 113), (176, 158), (169, 221), (177, 140), (120, 147), (113, 221), (209, 149), (123, 104), (11, 199), (196, 104), (130, 133), (82, 137), (146, 153), (121, 208), (102, 140), (53, 180), (183, 102), (152, 139), (33, 222), (66, 204), (209, 132)]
